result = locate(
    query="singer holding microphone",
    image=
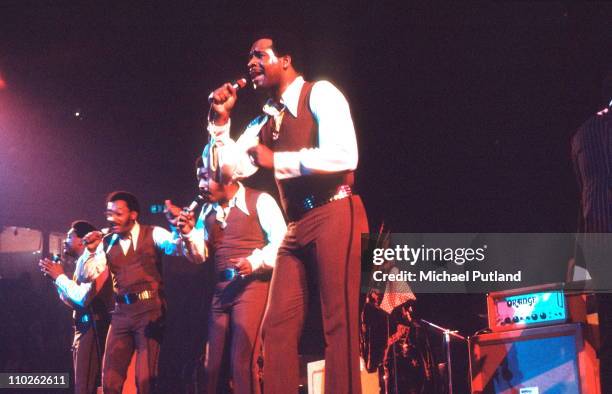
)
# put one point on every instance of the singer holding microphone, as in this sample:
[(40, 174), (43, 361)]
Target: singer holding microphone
[(243, 229), (91, 303), (131, 252), (306, 136)]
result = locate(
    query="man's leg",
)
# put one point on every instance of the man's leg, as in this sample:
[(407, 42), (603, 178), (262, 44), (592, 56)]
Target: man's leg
[(85, 362), (283, 320), (337, 254), (119, 349), (101, 330), (246, 337), (604, 305), (148, 334), (218, 324), (597, 249)]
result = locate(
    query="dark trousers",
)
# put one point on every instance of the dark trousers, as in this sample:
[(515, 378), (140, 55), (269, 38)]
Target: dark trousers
[(604, 301), (137, 327), (327, 240), (237, 309), (86, 357), (597, 252)]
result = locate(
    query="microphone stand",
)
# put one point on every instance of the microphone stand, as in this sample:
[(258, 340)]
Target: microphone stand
[(386, 360), (446, 335)]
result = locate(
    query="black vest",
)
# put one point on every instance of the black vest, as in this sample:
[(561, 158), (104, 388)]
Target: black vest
[(240, 237), (297, 133), (138, 270)]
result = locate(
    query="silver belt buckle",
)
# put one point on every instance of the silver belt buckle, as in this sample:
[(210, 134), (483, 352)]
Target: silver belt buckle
[(145, 295), (342, 192), (311, 202)]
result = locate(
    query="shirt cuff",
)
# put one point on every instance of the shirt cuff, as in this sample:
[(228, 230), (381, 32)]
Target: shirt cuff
[(62, 281), (256, 260), (287, 165), (186, 237), (219, 132)]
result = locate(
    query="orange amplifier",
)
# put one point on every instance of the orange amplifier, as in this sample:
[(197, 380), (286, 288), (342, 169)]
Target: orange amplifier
[(537, 306)]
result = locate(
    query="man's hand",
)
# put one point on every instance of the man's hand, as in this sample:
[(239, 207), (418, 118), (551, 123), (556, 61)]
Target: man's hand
[(172, 212), (243, 265), (185, 221), (92, 240), (262, 156), (223, 100), (50, 268), (179, 218)]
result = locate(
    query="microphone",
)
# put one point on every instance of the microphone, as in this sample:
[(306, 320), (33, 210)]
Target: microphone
[(112, 241), (160, 208), (238, 84), (114, 237), (194, 204), (105, 232)]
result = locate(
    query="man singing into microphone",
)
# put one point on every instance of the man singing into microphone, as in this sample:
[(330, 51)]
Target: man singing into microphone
[(243, 229), (306, 136), (132, 253), (91, 303)]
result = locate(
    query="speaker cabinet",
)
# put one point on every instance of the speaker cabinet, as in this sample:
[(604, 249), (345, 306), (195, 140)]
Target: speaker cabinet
[(554, 359)]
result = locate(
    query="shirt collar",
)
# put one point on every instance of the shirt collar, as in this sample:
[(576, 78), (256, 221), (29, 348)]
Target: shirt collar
[(238, 201), (134, 232), (289, 99)]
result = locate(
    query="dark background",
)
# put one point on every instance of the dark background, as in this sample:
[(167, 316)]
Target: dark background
[(463, 113)]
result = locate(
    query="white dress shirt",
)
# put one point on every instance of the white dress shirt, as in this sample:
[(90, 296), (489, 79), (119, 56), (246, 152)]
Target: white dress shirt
[(72, 292), (337, 150), (170, 243), (270, 218)]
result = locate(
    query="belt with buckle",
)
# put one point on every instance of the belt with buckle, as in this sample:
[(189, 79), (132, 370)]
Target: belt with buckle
[(87, 317), (227, 274), (312, 201), (131, 298)]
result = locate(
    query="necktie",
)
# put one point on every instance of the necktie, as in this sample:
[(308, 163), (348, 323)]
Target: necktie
[(277, 112), (278, 120)]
